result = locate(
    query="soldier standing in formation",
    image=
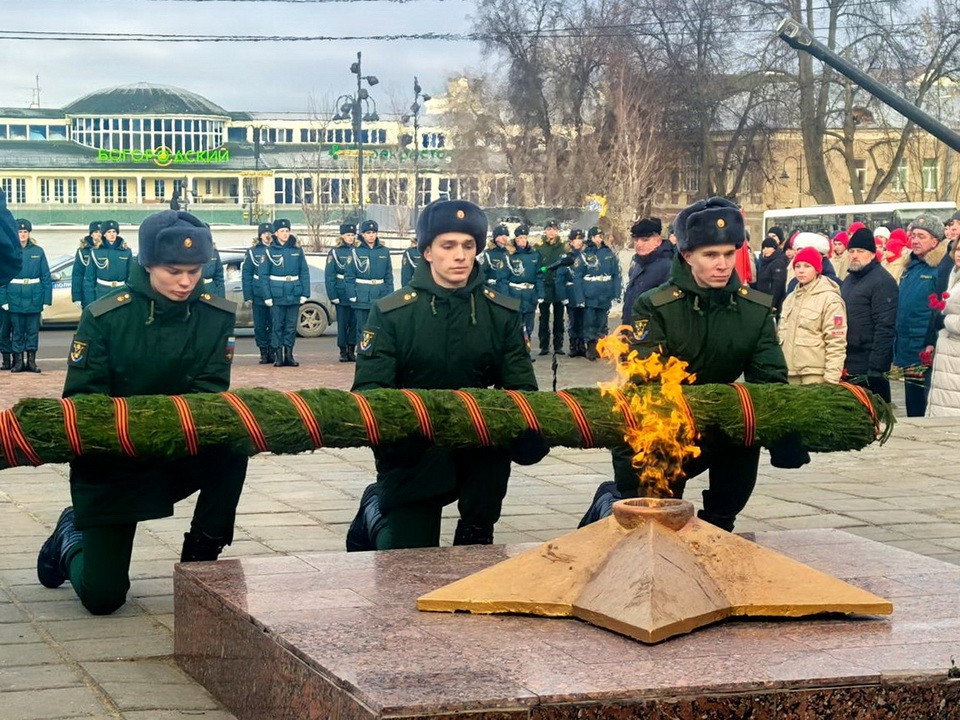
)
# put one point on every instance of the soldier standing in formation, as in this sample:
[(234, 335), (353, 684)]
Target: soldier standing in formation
[(409, 262), (550, 249), (601, 286), (24, 298), (10, 250), (569, 288), (213, 274), (81, 262), (160, 335), (705, 316), (369, 277), (286, 286), (338, 260), (526, 282), (254, 293), (479, 331), (495, 261), (109, 264)]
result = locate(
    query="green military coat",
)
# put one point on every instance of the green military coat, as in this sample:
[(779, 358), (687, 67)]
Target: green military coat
[(721, 333), (550, 252), (136, 342)]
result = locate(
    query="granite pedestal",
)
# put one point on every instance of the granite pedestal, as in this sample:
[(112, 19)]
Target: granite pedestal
[(337, 636)]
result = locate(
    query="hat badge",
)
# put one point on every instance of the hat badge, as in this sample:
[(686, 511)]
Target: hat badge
[(721, 223), (187, 242), (461, 214)]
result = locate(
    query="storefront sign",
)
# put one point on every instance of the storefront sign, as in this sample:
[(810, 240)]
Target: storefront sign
[(164, 156), (336, 151)]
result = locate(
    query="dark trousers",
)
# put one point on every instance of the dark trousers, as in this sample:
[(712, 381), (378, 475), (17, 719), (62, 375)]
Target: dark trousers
[(346, 326), (6, 332), (915, 392), (100, 567), (262, 325), (877, 384), (733, 475), (544, 333), (595, 322), (415, 486), (26, 331), (283, 325), (360, 316), (576, 324)]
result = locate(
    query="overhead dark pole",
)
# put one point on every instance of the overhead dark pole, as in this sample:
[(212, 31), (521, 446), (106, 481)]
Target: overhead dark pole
[(800, 38)]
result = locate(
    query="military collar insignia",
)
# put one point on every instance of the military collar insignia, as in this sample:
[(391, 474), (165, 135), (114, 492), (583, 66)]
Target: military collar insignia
[(78, 353), (366, 342), (640, 330)]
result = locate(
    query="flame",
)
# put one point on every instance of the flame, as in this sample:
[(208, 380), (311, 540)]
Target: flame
[(664, 434)]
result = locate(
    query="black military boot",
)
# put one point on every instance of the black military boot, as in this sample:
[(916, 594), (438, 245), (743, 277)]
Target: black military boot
[(56, 551), (288, 358), (591, 353), (558, 349), (32, 361), (271, 355), (18, 365), (200, 547), (602, 506), (7, 361), (265, 358), (473, 534), (277, 357), (363, 531), (352, 353), (344, 355)]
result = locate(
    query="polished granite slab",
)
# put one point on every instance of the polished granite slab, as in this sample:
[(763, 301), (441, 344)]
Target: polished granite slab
[(337, 636)]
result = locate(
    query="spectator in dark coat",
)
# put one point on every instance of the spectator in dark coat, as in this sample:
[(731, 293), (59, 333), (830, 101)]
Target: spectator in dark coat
[(11, 253), (772, 272), (650, 265), (871, 295)]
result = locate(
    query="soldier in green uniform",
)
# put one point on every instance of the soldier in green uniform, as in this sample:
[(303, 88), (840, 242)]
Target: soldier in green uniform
[(81, 261), (109, 264), (551, 249), (408, 263), (24, 298), (161, 334), (253, 292), (704, 315), (445, 306), (334, 277), (213, 274)]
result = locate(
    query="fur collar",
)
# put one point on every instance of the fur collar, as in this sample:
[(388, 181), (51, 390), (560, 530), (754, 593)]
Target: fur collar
[(935, 256)]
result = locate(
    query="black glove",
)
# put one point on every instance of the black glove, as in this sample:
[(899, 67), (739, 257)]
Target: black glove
[(788, 452), (528, 448), (403, 453)]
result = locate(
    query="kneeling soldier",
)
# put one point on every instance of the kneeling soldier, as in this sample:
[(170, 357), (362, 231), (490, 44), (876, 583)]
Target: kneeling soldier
[(161, 334), (481, 344)]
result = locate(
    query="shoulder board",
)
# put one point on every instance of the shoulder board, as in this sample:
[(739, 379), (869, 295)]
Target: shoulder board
[(667, 295), (110, 302), (218, 302), (403, 296), (755, 296), (502, 300)]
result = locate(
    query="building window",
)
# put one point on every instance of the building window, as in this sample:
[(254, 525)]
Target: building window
[(38, 132), (3, 132), (433, 140), (15, 189), (121, 191), (449, 189), (860, 172), (18, 132), (44, 190), (58, 191), (181, 135), (425, 190), (930, 175), (900, 178), (159, 189), (95, 190)]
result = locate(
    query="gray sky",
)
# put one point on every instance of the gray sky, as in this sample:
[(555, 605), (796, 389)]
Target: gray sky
[(237, 76)]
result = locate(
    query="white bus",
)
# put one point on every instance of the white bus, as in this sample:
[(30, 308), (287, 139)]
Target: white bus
[(827, 219)]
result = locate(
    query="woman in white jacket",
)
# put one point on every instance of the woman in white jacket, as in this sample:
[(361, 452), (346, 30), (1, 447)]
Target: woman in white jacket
[(813, 324), (944, 399)]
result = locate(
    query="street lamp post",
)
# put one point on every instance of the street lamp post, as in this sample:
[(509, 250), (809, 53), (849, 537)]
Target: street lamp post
[(418, 97), (351, 107), (784, 175)]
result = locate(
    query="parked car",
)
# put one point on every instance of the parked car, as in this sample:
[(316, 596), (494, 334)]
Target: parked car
[(315, 315)]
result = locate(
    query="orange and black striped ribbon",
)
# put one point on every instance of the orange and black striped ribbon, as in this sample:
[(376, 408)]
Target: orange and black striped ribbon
[(369, 419), (579, 417), (525, 409), (476, 416), (6, 437), (70, 426), (420, 409), (123, 426), (749, 416), (688, 414), (624, 407), (860, 394), (248, 420), (187, 424), (309, 421), (13, 425)]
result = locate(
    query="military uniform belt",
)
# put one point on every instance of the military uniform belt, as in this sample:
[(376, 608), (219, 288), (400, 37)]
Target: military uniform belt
[(256, 277), (362, 281), (598, 278), (284, 278), (111, 283), (24, 281), (522, 286), (208, 280), (339, 277)]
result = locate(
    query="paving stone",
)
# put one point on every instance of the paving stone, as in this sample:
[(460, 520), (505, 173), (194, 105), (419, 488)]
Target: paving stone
[(37, 677), (14, 655), (50, 703)]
